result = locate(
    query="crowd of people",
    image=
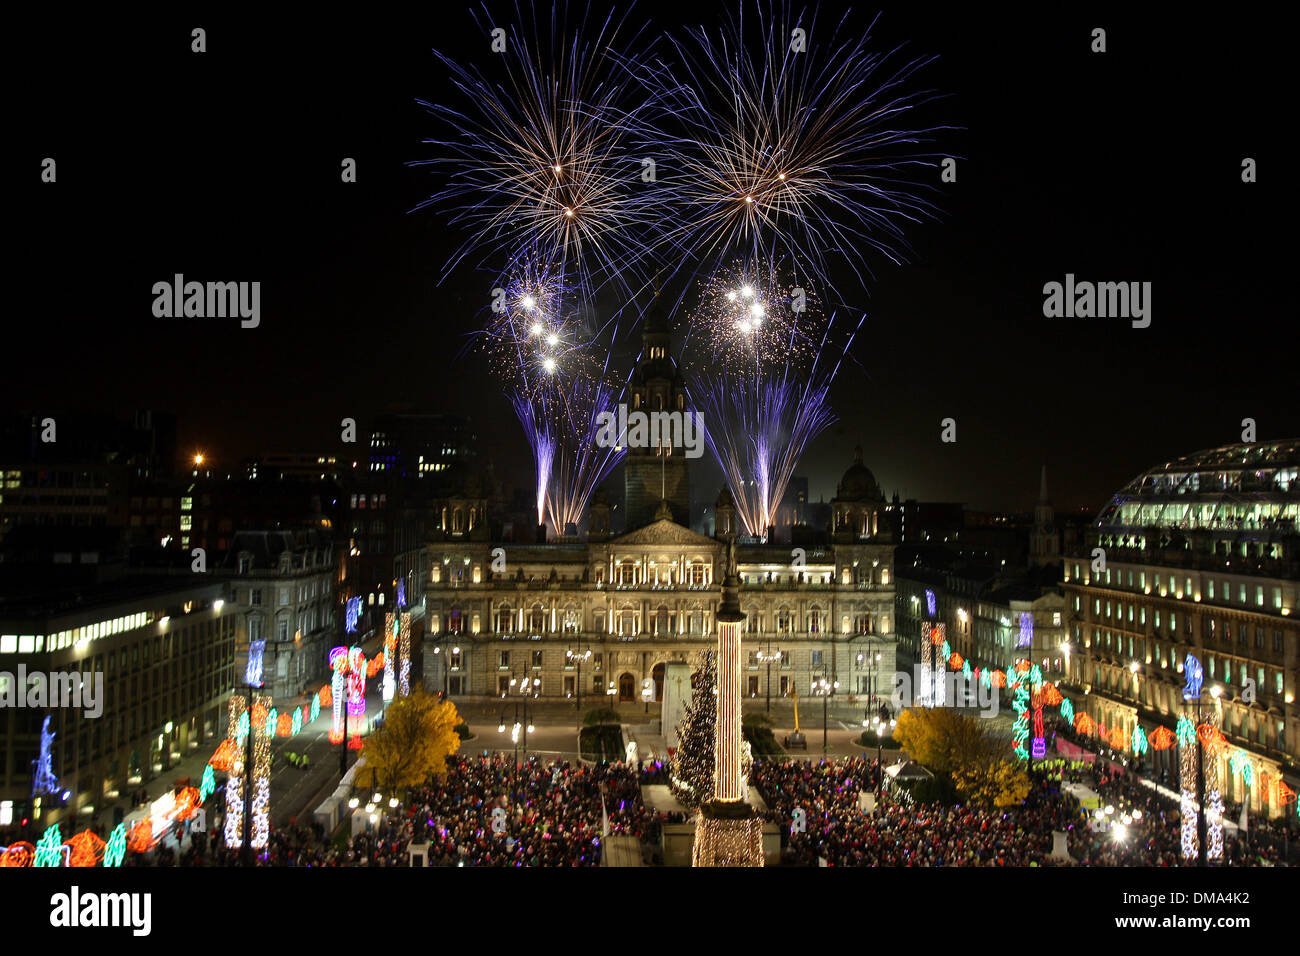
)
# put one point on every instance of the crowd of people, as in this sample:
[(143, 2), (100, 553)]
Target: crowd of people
[(487, 812), (837, 830)]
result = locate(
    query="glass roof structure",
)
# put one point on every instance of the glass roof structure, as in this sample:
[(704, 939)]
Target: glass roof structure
[(1245, 488)]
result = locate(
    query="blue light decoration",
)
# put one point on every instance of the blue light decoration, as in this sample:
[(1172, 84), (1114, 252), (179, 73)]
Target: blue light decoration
[(353, 615), (931, 607), (1026, 630), (43, 779), (115, 848), (253, 672), (1195, 675), (401, 593)]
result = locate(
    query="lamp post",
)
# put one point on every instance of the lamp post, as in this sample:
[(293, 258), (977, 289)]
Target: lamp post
[(768, 658), (882, 723), (824, 688), (446, 662), (576, 658)]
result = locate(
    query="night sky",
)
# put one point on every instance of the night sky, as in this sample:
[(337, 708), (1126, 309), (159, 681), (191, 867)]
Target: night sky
[(1123, 166)]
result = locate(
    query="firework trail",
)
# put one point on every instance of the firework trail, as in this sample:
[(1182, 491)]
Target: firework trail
[(761, 359), (538, 159), (784, 146), (556, 372)]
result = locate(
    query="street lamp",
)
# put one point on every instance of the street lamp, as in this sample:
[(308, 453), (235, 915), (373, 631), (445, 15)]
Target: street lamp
[(768, 659), (576, 658), (881, 725), (824, 688)]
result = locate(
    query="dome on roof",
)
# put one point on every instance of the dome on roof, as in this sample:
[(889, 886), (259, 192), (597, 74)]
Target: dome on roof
[(724, 498), (858, 483)]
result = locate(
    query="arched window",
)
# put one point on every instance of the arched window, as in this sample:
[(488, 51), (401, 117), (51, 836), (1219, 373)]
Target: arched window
[(572, 620), (783, 620), (661, 621), (455, 621), (537, 619), (814, 620), (505, 620)]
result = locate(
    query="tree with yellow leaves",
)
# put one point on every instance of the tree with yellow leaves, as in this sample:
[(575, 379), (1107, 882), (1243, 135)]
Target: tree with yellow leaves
[(959, 747), (417, 737)]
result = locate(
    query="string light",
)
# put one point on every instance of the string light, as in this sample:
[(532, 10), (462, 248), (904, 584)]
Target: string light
[(208, 785), (1085, 725), (1139, 742), (85, 849), (237, 721), (261, 790), (1067, 711)]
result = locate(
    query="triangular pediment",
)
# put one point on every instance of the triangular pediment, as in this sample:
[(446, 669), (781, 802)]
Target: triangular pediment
[(665, 532)]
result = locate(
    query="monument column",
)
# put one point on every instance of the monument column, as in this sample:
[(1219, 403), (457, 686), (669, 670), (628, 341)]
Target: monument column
[(727, 832)]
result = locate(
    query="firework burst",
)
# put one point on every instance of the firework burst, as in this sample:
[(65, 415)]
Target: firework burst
[(761, 357), (538, 155), (790, 140), (555, 369)]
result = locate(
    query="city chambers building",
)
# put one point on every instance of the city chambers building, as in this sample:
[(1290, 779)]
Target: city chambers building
[(1202, 557), (602, 615)]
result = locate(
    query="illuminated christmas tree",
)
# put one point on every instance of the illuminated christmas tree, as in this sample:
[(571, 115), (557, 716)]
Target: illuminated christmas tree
[(691, 778)]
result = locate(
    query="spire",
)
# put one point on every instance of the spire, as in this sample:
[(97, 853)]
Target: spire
[(1042, 487)]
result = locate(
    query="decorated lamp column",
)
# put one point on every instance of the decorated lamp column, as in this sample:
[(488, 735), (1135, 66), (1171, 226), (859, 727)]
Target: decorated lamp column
[(727, 832), (391, 627), (404, 655)]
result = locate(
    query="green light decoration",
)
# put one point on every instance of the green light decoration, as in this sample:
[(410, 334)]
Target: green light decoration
[(1020, 729), (115, 848), (208, 785), (1186, 732), (241, 728), (1067, 711), (1240, 762), (947, 650), (49, 850), (272, 716), (986, 679), (296, 727), (315, 706), (1140, 745)]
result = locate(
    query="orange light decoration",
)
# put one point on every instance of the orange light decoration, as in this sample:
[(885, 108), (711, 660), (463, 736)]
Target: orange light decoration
[(1162, 738), (1051, 696), (224, 757), (1285, 794), (326, 697), (18, 854), (335, 737), (187, 801), (1118, 739), (260, 710), (956, 661), (355, 743), (998, 679), (374, 665), (1085, 725), (139, 839), (284, 725), (86, 849), (1022, 667), (1211, 738)]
